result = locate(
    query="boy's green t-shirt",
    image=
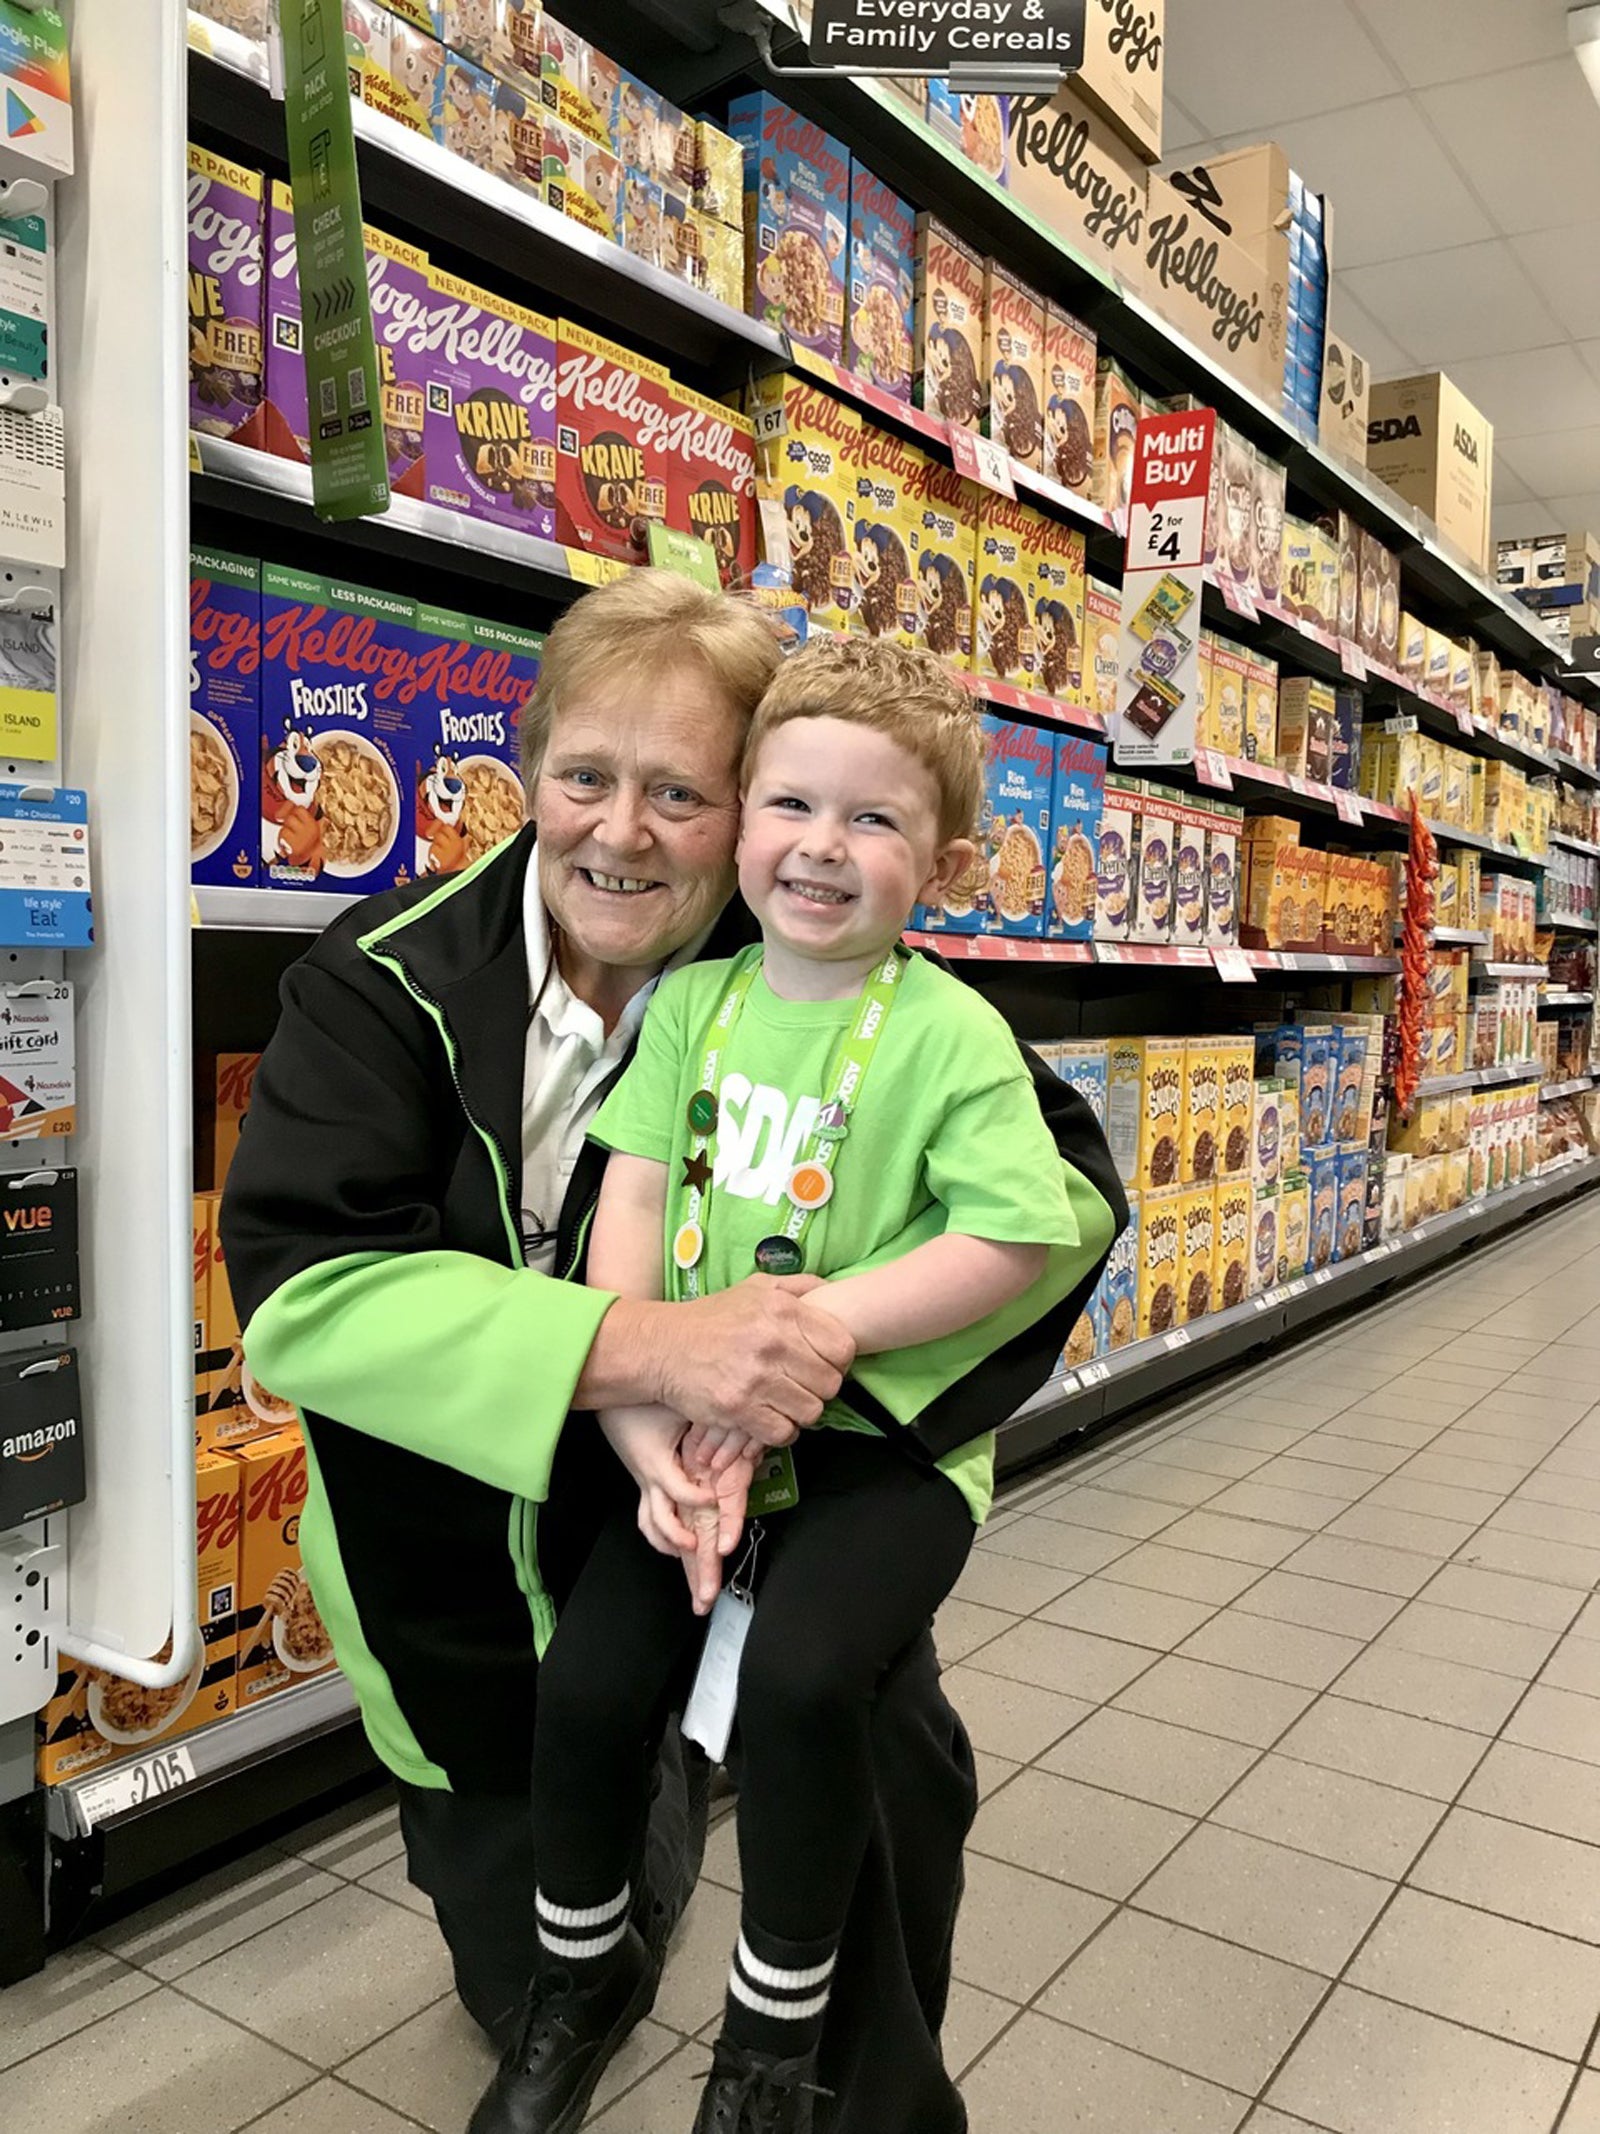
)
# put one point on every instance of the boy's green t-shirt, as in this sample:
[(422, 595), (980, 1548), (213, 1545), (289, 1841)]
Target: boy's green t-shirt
[(946, 1136)]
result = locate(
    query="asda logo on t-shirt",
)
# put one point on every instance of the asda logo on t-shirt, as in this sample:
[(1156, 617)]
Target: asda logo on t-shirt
[(761, 1136)]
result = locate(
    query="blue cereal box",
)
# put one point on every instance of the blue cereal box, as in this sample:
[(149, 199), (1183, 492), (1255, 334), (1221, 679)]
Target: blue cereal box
[(474, 679), (1084, 1066), (1322, 1175), (976, 125), (881, 284), (338, 678), (1077, 804), (1350, 1170), (224, 715), (1019, 794), (1115, 1304), (796, 221)]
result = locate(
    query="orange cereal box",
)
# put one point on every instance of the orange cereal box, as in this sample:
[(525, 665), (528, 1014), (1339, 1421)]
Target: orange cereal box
[(1068, 383), (1056, 598), (236, 1076), (281, 1634), (947, 375), (942, 509), (614, 413), (809, 467), (1116, 418), (885, 603), (1013, 363), (1005, 644)]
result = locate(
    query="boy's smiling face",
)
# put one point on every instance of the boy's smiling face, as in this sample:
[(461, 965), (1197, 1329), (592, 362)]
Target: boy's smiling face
[(840, 838)]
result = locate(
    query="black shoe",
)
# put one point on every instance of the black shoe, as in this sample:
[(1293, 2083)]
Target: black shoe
[(564, 2043), (752, 2093)]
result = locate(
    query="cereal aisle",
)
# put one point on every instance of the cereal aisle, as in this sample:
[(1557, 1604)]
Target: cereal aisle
[(1313, 935)]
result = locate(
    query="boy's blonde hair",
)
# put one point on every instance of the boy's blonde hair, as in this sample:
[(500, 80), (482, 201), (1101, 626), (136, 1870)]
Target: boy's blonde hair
[(909, 695)]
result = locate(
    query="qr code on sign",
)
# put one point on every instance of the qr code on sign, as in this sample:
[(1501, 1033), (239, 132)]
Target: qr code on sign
[(327, 398), (357, 382)]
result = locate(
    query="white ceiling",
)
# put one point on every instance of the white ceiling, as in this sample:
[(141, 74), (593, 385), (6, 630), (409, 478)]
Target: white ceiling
[(1460, 146)]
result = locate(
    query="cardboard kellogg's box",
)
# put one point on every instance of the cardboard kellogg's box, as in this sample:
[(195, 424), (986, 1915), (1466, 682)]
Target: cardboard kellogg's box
[(1068, 384), (1019, 790), (796, 220), (1006, 644), (1056, 593), (947, 375), (810, 470), (491, 417), (1076, 809), (942, 508), (882, 284), (224, 714), (338, 673), (281, 1634), (712, 481), (614, 454), (1074, 172), (474, 680), (225, 299), (886, 598), (1013, 363)]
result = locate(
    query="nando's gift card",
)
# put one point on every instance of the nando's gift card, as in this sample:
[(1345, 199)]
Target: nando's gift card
[(38, 1249), (41, 1435)]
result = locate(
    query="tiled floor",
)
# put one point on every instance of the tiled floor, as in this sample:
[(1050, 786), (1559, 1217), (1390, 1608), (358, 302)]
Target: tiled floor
[(1288, 1720)]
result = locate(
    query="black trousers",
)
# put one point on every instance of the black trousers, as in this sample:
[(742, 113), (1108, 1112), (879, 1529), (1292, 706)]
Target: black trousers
[(844, 1581)]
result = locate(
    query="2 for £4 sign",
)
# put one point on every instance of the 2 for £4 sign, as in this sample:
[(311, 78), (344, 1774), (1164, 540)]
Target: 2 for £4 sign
[(1171, 483), (1158, 681)]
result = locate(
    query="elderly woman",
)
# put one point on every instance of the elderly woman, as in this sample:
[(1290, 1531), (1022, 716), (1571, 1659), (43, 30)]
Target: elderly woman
[(404, 1221)]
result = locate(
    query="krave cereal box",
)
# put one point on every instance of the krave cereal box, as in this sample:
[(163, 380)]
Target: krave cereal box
[(809, 468), (1019, 784), (882, 283), (491, 421), (224, 715), (886, 598), (474, 679), (225, 293), (712, 481), (338, 672), (613, 445), (1076, 810), (796, 220), (942, 509)]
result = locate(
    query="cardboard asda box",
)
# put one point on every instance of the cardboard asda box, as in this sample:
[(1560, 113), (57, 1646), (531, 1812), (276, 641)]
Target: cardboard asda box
[(1432, 447)]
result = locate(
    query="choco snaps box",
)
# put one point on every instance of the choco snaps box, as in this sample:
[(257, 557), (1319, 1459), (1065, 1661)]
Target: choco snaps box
[(614, 455), (225, 251), (224, 715), (338, 676), (473, 680), (491, 413), (796, 221)]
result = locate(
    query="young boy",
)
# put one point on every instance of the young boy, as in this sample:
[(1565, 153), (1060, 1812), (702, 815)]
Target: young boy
[(824, 1103)]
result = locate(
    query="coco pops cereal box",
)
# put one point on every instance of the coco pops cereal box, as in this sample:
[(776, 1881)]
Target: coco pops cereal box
[(225, 293), (810, 470), (1067, 383), (339, 672), (1056, 597), (614, 457), (224, 715), (886, 595), (796, 221), (942, 508), (1005, 639), (881, 282), (473, 680), (491, 410), (712, 480), (1013, 361), (947, 375)]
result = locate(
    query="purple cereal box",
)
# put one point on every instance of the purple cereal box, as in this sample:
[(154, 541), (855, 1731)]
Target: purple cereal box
[(224, 715), (491, 408), (340, 671), (397, 277), (796, 221), (225, 298), (475, 678), (1077, 803), (878, 316)]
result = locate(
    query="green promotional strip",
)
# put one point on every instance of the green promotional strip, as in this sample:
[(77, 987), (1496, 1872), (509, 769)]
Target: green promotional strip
[(349, 462), (684, 553)]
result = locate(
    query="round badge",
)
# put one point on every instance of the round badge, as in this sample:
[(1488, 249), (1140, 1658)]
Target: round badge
[(810, 1185), (687, 1245), (833, 1122), (702, 1111), (779, 1255)]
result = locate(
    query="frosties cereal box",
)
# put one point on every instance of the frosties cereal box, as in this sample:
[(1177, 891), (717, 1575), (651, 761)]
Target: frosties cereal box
[(1013, 344), (224, 715), (942, 507), (1019, 786), (1102, 638), (1006, 643), (474, 679), (881, 284), (281, 1634), (578, 83), (711, 483), (1067, 382), (886, 595), (614, 414), (491, 408), (1079, 803), (1056, 594), (948, 379), (225, 293), (338, 676), (796, 221), (810, 469)]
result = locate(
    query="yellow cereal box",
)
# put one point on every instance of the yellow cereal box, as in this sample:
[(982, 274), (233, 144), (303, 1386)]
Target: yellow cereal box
[(1230, 1265), (1197, 1213), (1116, 418), (1202, 1111), (942, 509), (1103, 624), (1125, 1105), (1230, 689), (236, 1408), (1294, 1225), (281, 1635), (1236, 1068), (1056, 599), (1260, 708), (1162, 1061), (810, 469), (885, 603), (1006, 643), (1160, 1235), (1013, 362)]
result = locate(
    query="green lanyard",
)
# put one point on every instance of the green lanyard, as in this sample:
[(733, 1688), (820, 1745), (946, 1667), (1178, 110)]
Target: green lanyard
[(810, 1185)]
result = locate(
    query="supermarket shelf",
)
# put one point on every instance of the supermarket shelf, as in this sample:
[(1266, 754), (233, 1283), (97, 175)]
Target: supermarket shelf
[(1562, 998), (1574, 1088), (1575, 844), (1135, 955), (1029, 704), (1448, 834), (271, 911), (1459, 937), (1479, 1078), (1002, 948), (1114, 1386), (1509, 970)]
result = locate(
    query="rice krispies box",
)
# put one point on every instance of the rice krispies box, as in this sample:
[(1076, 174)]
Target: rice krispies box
[(491, 413), (711, 480), (882, 284), (886, 598), (224, 715), (1019, 793), (339, 673), (1076, 808), (225, 293), (1116, 1299), (796, 221), (474, 678), (1006, 644), (809, 468), (614, 414), (1056, 598), (942, 508)]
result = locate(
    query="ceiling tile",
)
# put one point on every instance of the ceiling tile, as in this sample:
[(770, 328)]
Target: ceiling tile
[(1431, 44), (1445, 306), (1251, 64), (1564, 266), (1179, 129), (1509, 488), (1573, 513), (1561, 460), (1539, 389), (1529, 139), (1385, 356), (1523, 522)]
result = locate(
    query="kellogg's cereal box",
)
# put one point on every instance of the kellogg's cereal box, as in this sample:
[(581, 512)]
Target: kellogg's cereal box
[(886, 597), (942, 508), (1117, 861), (518, 142), (1116, 418), (1067, 381), (224, 714), (882, 284), (1222, 875), (1006, 644), (464, 120), (976, 125), (500, 35), (810, 469), (712, 480), (638, 124), (1013, 363), (395, 65), (578, 83), (582, 179), (718, 173), (796, 221), (225, 293), (1264, 1239), (1075, 815), (474, 679), (1056, 585), (947, 377), (281, 1634), (639, 216), (1190, 885), (491, 407), (338, 673), (1162, 1062), (614, 453), (1019, 784)]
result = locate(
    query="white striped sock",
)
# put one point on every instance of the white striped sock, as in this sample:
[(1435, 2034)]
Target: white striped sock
[(608, 1922), (761, 1974), (598, 1915)]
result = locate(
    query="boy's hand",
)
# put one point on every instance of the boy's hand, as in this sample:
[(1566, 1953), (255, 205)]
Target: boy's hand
[(646, 1441), (708, 1451), (717, 1531)]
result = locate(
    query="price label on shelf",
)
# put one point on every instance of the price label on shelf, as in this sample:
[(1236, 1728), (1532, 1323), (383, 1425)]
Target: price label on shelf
[(981, 459), (1238, 600), (1094, 1374), (1107, 952), (1347, 806), (1296, 1288), (1322, 1277), (134, 1785), (1233, 966), (1178, 1338), (770, 422), (1404, 722), (1212, 766), (1353, 660), (594, 570)]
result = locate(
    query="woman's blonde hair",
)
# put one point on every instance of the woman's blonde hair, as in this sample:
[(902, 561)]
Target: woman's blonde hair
[(634, 631), (910, 695)]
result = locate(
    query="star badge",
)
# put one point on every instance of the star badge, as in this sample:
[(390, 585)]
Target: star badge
[(697, 1172)]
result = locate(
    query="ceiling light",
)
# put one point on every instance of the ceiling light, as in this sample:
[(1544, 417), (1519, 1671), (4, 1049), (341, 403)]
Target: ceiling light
[(1583, 34)]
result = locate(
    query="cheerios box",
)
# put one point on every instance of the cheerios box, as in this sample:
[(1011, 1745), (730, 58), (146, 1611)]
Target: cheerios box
[(474, 680), (281, 1634), (1077, 806), (1019, 793), (796, 221), (338, 678), (224, 715)]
